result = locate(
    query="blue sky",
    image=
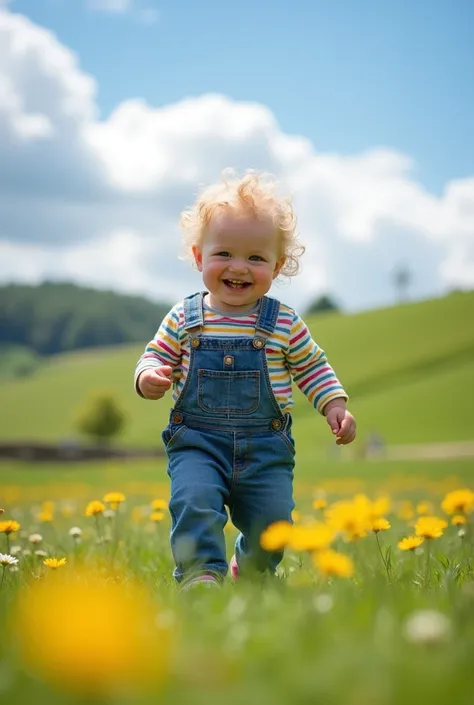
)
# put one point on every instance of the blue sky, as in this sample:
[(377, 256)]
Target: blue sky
[(114, 112), (349, 75)]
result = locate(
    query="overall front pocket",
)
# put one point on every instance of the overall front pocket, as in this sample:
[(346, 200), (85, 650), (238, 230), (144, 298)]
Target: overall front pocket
[(222, 392)]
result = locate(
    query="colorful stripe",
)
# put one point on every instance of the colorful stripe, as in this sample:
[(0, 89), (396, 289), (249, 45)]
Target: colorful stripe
[(292, 354)]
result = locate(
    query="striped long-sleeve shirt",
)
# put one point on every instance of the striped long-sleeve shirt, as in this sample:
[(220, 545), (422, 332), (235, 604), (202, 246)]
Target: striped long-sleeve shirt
[(291, 354)]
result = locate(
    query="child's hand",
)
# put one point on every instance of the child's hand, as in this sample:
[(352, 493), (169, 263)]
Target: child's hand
[(342, 424), (155, 382)]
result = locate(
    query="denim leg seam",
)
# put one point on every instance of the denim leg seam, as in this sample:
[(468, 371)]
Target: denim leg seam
[(235, 471)]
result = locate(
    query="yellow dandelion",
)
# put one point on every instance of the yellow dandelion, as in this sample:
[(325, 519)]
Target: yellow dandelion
[(380, 524), (9, 526), (296, 516), (458, 502), (320, 503), (45, 516), (276, 536), (410, 543), (458, 520), (159, 504), (424, 508), (313, 537), (430, 527), (86, 634), (114, 499), (54, 563), (333, 563), (157, 516), (94, 508)]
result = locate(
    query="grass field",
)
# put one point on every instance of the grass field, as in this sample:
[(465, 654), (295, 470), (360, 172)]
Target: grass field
[(409, 371), (109, 626)]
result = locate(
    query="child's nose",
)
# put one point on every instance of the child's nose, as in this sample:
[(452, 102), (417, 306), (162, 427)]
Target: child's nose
[(238, 266)]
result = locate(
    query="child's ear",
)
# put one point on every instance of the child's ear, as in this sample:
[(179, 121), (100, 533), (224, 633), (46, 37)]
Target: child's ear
[(278, 267), (197, 253)]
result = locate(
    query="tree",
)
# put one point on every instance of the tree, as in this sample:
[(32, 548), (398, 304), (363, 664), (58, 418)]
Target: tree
[(321, 304), (101, 418)]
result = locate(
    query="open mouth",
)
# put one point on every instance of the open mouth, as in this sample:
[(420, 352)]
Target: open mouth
[(236, 284)]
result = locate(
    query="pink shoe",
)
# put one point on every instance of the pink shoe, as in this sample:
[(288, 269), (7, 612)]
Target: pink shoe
[(234, 568)]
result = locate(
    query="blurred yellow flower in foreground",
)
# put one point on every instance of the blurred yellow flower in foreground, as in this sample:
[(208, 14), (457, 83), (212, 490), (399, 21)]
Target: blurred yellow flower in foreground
[(458, 520), (430, 527), (9, 526), (45, 516), (333, 563), (157, 516), (320, 503), (159, 504), (458, 501), (276, 536), (114, 499), (424, 507), (94, 508), (312, 537), (54, 563), (410, 543), (91, 635)]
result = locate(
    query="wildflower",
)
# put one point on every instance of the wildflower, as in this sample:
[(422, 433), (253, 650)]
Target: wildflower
[(35, 538), (430, 527), (320, 503), (157, 516), (424, 508), (458, 520), (101, 633), (9, 526), (380, 524), (333, 563), (159, 504), (45, 516), (276, 536), (458, 501), (94, 508), (7, 559), (75, 532), (296, 516), (313, 537), (54, 563), (461, 533), (109, 514), (41, 554), (323, 603), (410, 543), (114, 499), (426, 627), (14, 550), (351, 518), (2, 511)]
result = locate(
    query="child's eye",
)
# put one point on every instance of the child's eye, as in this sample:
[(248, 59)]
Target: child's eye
[(256, 258), (223, 254)]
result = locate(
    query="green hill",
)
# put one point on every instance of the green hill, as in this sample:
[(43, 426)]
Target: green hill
[(409, 371)]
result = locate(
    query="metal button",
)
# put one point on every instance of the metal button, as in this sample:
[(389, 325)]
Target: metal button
[(276, 424), (195, 342), (177, 417), (258, 343), (228, 360)]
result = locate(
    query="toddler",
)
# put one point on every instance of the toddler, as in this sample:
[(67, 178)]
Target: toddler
[(229, 354)]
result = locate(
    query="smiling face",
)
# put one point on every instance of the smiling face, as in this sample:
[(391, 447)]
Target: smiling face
[(239, 258)]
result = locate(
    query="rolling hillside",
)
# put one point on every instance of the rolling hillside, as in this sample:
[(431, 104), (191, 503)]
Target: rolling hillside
[(409, 371)]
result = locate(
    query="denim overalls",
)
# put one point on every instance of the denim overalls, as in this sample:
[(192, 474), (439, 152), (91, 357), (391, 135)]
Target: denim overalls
[(228, 443)]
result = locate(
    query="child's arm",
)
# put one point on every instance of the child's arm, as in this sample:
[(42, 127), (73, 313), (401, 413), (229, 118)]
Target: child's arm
[(313, 374), (161, 356)]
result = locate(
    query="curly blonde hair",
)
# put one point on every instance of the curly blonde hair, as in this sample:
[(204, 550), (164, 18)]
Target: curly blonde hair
[(253, 194)]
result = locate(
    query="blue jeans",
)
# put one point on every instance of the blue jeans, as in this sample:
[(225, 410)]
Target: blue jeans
[(250, 471)]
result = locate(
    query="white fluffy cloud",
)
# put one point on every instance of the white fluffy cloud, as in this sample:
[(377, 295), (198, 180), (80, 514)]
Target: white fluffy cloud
[(145, 14), (97, 201)]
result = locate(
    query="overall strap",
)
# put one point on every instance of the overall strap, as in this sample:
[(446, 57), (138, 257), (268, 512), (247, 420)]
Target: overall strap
[(267, 316), (193, 313)]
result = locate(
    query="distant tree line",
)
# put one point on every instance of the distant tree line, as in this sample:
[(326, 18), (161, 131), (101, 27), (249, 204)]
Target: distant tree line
[(55, 317)]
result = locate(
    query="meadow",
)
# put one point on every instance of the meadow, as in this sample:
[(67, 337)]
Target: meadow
[(355, 615)]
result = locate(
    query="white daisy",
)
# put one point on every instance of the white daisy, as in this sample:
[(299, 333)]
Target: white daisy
[(6, 559)]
